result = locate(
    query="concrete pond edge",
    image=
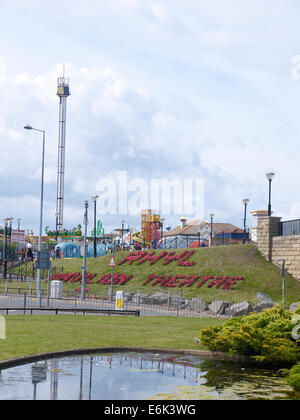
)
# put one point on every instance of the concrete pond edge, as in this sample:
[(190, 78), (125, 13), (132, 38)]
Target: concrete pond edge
[(6, 364)]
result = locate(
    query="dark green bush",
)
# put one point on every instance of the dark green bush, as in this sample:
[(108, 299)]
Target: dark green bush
[(265, 337), (294, 377)]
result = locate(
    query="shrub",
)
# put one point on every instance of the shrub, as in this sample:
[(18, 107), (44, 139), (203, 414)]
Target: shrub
[(294, 377), (265, 337)]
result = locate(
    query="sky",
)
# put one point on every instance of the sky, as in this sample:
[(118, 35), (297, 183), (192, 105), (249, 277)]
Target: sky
[(167, 89)]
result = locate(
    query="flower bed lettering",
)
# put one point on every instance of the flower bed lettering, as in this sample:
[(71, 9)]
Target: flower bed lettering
[(134, 256), (121, 279), (73, 278), (143, 256), (226, 282), (171, 281)]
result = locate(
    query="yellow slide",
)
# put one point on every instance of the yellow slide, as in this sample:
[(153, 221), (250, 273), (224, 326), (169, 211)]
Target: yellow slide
[(135, 237)]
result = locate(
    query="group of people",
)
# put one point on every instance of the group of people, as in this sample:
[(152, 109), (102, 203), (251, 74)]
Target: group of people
[(30, 254), (56, 253)]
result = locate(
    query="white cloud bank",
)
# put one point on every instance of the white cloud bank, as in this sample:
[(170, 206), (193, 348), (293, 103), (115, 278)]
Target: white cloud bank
[(158, 89)]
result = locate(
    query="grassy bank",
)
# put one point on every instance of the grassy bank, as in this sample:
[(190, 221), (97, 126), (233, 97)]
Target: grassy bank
[(28, 336), (240, 260)]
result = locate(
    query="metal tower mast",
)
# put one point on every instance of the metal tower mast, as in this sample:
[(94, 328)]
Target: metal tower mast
[(63, 93)]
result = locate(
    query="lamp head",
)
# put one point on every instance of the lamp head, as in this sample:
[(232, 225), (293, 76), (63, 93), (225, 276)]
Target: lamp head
[(246, 201), (28, 127), (270, 176)]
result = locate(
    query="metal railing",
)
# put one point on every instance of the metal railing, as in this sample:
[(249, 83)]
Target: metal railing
[(290, 227), (17, 301)]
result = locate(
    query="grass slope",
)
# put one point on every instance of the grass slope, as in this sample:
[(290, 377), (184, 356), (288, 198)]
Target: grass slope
[(240, 260)]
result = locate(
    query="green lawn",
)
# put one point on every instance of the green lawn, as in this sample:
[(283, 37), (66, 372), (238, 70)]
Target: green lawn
[(31, 335), (239, 260)]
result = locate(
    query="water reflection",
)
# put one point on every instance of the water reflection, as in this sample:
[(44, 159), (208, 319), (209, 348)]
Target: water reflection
[(135, 376)]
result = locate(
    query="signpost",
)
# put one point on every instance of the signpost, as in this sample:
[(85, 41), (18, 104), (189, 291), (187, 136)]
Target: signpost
[(44, 263), (112, 265), (283, 280), (43, 260), (18, 236)]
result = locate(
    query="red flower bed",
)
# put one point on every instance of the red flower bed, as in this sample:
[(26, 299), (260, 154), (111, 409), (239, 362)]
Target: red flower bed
[(143, 256), (189, 281), (204, 280), (184, 260), (73, 278), (79, 290), (226, 282), (121, 279), (171, 281), (134, 256)]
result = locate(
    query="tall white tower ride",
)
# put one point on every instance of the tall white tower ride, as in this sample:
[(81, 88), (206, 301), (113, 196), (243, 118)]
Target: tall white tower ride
[(63, 93)]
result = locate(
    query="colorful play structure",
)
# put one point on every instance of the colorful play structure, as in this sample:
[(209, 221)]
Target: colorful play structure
[(76, 250), (150, 234), (71, 242), (76, 232)]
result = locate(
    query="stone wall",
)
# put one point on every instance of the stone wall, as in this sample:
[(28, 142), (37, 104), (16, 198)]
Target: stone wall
[(288, 247), (267, 229), (275, 248)]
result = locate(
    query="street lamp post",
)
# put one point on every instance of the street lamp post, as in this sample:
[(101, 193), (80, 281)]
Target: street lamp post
[(162, 230), (246, 202), (19, 223), (95, 198), (123, 224), (270, 177), (211, 228), (5, 251), (11, 219), (38, 284), (9, 256), (85, 222)]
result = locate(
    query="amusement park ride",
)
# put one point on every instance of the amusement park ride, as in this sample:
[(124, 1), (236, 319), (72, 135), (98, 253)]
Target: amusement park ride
[(151, 225), (150, 234)]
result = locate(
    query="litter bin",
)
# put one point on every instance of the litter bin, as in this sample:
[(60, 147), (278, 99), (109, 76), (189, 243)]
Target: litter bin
[(56, 289), (120, 301)]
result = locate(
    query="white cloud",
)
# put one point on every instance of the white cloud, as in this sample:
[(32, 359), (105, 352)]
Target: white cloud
[(156, 87), (159, 11)]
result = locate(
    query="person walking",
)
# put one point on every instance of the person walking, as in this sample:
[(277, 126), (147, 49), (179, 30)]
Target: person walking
[(29, 252)]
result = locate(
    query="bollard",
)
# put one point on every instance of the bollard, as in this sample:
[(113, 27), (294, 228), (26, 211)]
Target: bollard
[(120, 301)]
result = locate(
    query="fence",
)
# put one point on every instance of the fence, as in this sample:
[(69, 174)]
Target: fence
[(23, 272), (20, 301)]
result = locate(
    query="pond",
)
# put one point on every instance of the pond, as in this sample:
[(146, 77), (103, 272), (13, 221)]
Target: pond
[(141, 376)]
